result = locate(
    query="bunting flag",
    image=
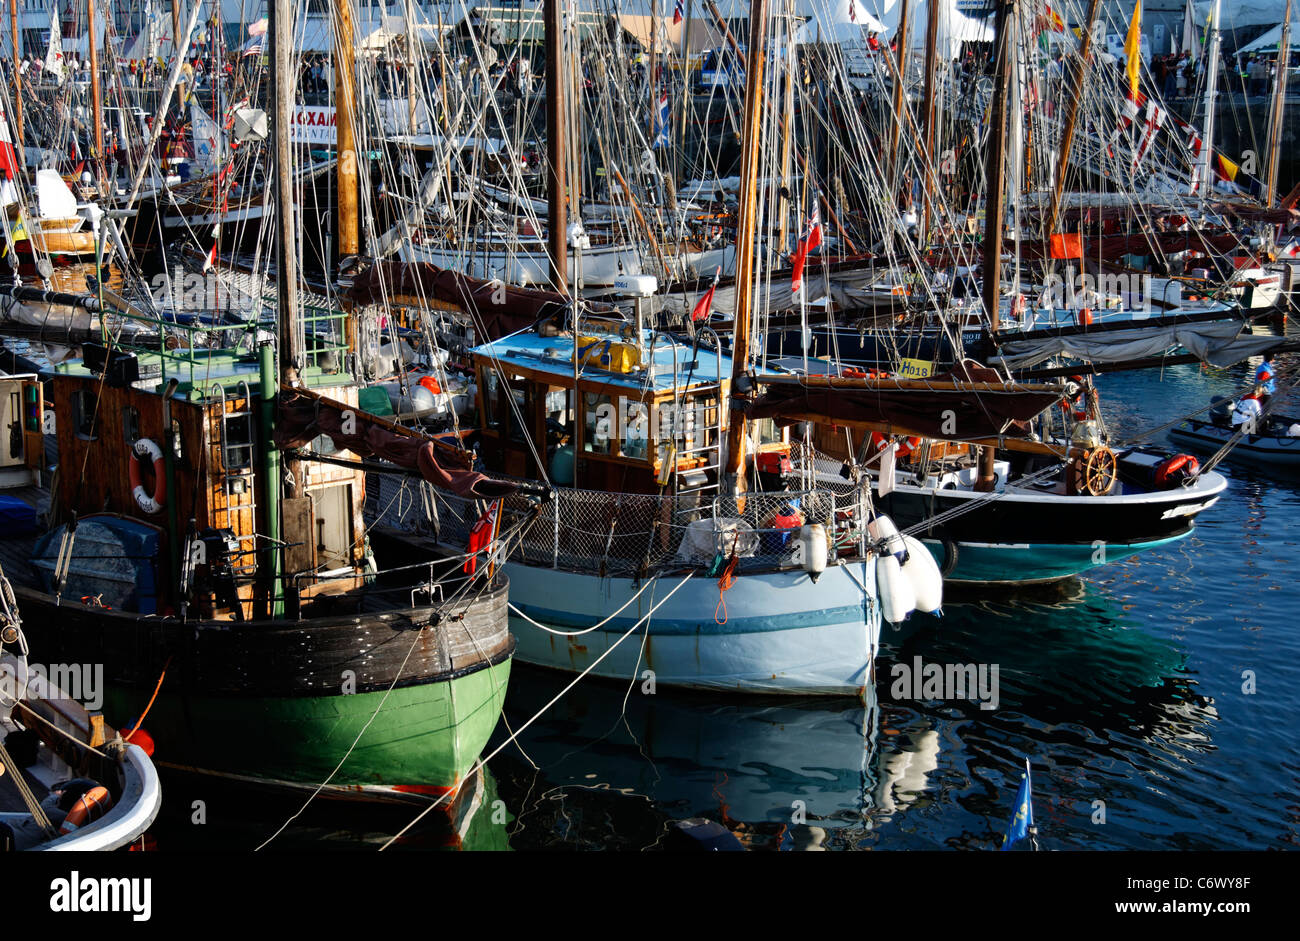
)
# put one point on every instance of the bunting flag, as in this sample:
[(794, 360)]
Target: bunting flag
[(1194, 145), (678, 12), (211, 259), (1230, 172), (662, 125), (705, 305), (1129, 110), (853, 11), (1049, 21), (808, 240), (1155, 119), (1133, 50), (8, 161)]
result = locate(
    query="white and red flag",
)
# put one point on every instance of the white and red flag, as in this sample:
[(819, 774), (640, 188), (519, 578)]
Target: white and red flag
[(809, 240), (678, 12)]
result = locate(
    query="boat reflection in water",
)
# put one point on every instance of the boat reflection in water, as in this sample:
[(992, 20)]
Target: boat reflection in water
[(1095, 702)]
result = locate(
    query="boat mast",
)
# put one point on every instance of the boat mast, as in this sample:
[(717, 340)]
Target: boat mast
[(994, 175), (280, 26), (97, 101), (345, 72), (755, 57), (1211, 88), (1275, 116), (931, 75), (900, 80), (1072, 115), (18, 84), (555, 149)]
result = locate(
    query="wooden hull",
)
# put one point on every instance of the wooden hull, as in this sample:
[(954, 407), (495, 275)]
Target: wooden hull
[(281, 702)]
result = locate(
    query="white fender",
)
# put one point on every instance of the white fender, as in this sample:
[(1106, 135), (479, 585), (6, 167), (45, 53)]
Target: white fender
[(897, 599), (816, 547), (923, 573), (882, 529)]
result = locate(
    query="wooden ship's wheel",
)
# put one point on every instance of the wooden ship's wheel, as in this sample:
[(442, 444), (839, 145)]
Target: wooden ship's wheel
[(1099, 471)]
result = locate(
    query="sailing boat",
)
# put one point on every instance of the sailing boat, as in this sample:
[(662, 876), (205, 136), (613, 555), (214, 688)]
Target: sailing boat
[(221, 573), (650, 555)]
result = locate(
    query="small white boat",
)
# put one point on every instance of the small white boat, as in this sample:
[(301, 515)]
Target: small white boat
[(1278, 441), (98, 792)]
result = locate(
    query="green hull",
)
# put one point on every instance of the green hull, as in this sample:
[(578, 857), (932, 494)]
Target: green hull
[(422, 740)]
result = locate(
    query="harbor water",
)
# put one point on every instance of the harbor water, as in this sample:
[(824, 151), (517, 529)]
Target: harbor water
[(1154, 699)]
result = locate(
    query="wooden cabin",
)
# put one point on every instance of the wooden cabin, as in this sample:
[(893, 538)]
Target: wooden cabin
[(615, 415), (201, 412)]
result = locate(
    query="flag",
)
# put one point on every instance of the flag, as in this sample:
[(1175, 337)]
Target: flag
[(810, 239), (853, 11), (1155, 120), (705, 303), (211, 259), (54, 54), (16, 234), (255, 46), (1050, 21), (1133, 49), (1230, 172), (480, 536), (1067, 245), (257, 27), (1023, 819), (8, 162), (662, 136), (678, 12)]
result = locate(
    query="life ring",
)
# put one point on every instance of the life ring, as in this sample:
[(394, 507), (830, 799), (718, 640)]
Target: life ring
[(142, 449), (89, 807), (1176, 469)]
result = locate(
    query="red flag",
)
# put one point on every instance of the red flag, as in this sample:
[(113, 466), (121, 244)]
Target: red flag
[(677, 12), (810, 239), (705, 303), (211, 259), (1067, 245), (480, 536)]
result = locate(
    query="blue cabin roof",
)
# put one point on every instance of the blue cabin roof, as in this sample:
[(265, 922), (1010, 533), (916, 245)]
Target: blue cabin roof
[(555, 355)]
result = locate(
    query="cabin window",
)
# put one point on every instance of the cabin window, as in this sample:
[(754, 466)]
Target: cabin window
[(493, 407), (768, 433), (130, 424), (600, 435), (237, 442), (85, 404)]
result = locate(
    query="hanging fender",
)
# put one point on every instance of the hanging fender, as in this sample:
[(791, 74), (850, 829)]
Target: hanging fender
[(145, 449)]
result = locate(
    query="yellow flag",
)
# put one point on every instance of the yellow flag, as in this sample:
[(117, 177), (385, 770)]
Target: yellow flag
[(1133, 49)]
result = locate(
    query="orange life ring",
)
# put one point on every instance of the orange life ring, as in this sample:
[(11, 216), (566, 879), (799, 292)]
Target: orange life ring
[(1169, 467), (89, 807), (146, 449)]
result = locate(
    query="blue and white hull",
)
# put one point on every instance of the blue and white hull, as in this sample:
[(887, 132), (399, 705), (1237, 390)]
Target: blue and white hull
[(782, 632)]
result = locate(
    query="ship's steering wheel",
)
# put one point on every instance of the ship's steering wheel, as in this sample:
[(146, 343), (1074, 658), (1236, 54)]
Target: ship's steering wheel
[(1099, 469)]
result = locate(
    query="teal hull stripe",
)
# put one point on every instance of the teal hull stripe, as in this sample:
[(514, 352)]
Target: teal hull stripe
[(704, 625), (1036, 563)]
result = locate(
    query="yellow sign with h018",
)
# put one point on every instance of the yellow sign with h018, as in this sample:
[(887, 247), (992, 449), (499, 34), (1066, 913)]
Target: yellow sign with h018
[(915, 369)]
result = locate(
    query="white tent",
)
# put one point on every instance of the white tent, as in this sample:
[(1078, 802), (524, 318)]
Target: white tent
[(1237, 14), (1269, 42)]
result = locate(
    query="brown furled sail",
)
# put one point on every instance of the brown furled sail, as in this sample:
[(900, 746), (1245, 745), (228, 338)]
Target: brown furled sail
[(303, 416), (966, 403), (498, 309)]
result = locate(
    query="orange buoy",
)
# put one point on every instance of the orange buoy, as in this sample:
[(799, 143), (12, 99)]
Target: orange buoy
[(89, 807), (142, 738)]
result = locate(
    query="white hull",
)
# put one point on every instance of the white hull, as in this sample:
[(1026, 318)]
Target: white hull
[(600, 267), (784, 633)]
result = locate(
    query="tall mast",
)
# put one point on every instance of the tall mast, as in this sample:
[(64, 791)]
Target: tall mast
[(931, 76), (18, 83), (97, 101), (345, 74), (1211, 88), (176, 27), (280, 26), (900, 80), (994, 172), (755, 58), (1275, 117), (1071, 116), (555, 149)]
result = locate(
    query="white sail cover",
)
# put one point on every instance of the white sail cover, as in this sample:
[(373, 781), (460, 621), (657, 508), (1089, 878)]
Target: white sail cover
[(54, 53)]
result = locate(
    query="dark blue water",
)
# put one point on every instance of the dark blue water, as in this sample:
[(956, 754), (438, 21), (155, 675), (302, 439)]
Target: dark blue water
[(1126, 690)]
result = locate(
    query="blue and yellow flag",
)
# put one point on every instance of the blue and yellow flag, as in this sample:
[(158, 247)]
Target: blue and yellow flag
[(1023, 820)]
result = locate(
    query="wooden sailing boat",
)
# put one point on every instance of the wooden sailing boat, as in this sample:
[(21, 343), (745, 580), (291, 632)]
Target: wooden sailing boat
[(222, 575)]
